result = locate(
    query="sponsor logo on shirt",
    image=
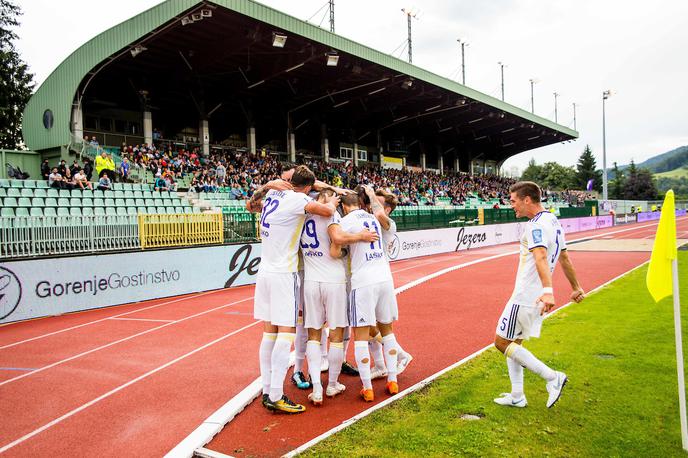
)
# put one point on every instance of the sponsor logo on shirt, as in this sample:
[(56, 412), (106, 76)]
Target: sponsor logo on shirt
[(537, 235)]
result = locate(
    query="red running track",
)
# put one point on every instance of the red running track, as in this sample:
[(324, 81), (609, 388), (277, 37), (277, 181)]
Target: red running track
[(136, 379)]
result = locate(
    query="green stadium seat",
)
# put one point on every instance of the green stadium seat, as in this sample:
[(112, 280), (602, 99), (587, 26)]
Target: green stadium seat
[(62, 211), (98, 202), (188, 210), (87, 211), (160, 210), (16, 183), (75, 202), (4, 183), (22, 212), (75, 211), (9, 202), (26, 192), (50, 202), (87, 202), (40, 193), (35, 211), (131, 211), (130, 202), (142, 210), (98, 193), (63, 202), (7, 212), (170, 210), (49, 211), (110, 211), (30, 184), (139, 202), (121, 211), (65, 193), (196, 210), (99, 211), (118, 194), (179, 209), (13, 192), (109, 202), (138, 194), (42, 184), (147, 194), (53, 193), (158, 202), (24, 202), (3, 192)]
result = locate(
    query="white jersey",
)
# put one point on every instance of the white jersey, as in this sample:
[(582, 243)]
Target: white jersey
[(369, 264), (544, 231), (319, 265), (281, 222)]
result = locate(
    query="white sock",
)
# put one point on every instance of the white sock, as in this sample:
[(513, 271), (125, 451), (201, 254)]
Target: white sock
[(389, 343), (280, 364), (300, 347), (363, 362), (323, 343), (313, 356), (346, 340), (336, 358), (377, 352), (265, 356), (516, 377), (529, 361)]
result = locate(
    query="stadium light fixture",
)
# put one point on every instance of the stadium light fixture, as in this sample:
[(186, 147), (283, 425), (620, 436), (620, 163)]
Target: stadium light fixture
[(206, 13), (408, 82), (136, 50), (196, 17), (332, 59), (278, 40), (186, 20)]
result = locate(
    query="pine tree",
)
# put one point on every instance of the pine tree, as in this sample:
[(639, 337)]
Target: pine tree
[(617, 188), (16, 83), (639, 185), (586, 169)]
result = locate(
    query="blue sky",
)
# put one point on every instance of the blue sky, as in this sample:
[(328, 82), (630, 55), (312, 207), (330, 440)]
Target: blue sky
[(577, 48)]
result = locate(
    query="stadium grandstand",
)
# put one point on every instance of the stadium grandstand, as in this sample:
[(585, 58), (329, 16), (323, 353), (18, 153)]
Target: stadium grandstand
[(197, 103)]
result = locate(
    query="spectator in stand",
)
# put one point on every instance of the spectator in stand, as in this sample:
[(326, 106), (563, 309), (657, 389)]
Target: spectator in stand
[(160, 184), (94, 142), (237, 193), (74, 167), (110, 167), (55, 179), (88, 168), (220, 173), (81, 180), (62, 167), (124, 170), (101, 162), (169, 181), (68, 179), (104, 184), (45, 169)]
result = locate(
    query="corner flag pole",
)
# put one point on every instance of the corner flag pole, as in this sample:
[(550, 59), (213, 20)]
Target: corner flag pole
[(679, 357)]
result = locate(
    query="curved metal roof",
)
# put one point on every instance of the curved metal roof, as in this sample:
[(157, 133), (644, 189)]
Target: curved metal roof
[(59, 91)]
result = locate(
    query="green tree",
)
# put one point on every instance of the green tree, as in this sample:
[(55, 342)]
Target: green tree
[(16, 83), (617, 185), (639, 184), (586, 169), (557, 177), (532, 173)]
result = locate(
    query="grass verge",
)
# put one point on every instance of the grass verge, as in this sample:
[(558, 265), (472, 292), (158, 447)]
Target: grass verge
[(617, 347)]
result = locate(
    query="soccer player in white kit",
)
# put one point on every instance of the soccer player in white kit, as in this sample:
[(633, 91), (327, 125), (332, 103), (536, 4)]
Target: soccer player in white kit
[(325, 295), (542, 244), (372, 300), (277, 283)]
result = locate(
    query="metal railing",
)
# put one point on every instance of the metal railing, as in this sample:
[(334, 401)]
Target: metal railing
[(239, 226), (177, 230), (27, 236)]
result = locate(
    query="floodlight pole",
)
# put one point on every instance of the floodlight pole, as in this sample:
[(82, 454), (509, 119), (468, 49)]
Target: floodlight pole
[(605, 95), (532, 98), (463, 62), (555, 107), (502, 67), (332, 16), (409, 15), (574, 115)]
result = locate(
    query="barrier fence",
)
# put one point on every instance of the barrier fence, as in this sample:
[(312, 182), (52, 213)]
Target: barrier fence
[(25, 236), (171, 230), (239, 226)]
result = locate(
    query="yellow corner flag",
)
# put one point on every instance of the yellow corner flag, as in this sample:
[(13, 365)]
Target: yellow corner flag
[(659, 273)]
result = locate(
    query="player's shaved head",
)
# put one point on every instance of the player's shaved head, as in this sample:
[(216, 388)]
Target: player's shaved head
[(525, 189), (350, 200)]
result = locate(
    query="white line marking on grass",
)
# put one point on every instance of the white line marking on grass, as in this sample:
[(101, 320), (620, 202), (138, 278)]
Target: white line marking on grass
[(204, 433), (102, 319), (423, 383), (88, 352), (141, 319), (120, 388)]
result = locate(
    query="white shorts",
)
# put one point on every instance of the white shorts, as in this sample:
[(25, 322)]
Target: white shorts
[(519, 322), (325, 302), (277, 298), (373, 303)]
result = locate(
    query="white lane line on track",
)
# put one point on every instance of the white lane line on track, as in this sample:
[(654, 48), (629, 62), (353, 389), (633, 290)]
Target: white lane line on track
[(120, 388), (104, 319), (141, 377), (426, 381), (141, 319), (88, 352)]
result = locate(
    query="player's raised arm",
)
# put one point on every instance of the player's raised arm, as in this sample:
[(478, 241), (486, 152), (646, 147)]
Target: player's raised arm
[(253, 204), (340, 237), (327, 209), (578, 294), (377, 209)]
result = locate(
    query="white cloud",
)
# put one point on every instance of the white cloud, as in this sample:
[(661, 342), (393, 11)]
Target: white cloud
[(577, 48)]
